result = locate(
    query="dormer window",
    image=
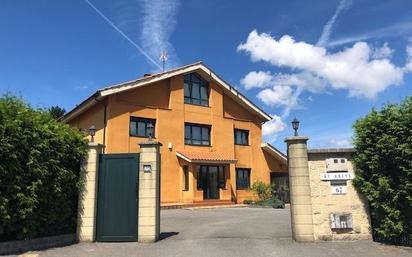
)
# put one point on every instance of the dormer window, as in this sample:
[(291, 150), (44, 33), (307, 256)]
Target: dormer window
[(196, 90)]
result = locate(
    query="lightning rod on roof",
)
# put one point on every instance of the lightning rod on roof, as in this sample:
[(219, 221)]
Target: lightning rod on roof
[(163, 59)]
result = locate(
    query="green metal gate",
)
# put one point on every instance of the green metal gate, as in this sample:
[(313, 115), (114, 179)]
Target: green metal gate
[(117, 197)]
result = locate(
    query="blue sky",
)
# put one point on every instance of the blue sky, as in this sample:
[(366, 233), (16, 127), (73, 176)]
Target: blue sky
[(325, 62)]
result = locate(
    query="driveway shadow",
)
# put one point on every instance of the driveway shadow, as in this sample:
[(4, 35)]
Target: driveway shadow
[(165, 235)]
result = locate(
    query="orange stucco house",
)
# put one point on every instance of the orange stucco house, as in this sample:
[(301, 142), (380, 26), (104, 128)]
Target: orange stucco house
[(211, 133)]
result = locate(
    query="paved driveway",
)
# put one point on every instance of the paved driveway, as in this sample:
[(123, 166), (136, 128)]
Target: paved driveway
[(229, 232)]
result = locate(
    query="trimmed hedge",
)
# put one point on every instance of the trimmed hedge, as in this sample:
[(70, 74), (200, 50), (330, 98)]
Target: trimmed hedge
[(383, 142), (39, 172), (274, 203)]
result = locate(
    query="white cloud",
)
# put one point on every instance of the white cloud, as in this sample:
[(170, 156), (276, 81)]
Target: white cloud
[(398, 29), (273, 127), (115, 27), (262, 79), (277, 96), (285, 90), (304, 80), (354, 68), (256, 79), (159, 21), (408, 66), (282, 90), (327, 29), (382, 52)]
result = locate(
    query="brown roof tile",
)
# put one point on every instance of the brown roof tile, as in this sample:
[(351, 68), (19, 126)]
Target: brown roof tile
[(205, 156)]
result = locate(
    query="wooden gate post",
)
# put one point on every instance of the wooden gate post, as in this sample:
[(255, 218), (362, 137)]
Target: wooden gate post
[(86, 216), (300, 196), (149, 192)]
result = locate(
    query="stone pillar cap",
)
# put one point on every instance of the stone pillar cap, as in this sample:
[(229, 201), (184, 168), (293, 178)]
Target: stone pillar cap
[(150, 143), (297, 138), (94, 144)]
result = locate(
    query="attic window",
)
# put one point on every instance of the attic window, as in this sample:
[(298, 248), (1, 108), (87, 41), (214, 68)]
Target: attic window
[(196, 90)]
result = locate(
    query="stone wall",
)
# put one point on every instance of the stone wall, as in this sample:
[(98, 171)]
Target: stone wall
[(299, 182), (86, 217), (36, 244), (324, 202), (149, 193)]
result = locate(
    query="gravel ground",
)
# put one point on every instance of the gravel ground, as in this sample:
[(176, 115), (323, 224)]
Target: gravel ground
[(228, 232)]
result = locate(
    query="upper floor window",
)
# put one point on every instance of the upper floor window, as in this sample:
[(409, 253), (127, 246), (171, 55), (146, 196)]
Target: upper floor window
[(196, 134), (196, 90), (241, 137), (138, 127)]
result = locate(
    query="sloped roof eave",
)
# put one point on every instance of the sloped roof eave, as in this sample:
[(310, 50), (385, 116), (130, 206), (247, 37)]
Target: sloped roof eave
[(274, 152), (205, 157), (165, 75)]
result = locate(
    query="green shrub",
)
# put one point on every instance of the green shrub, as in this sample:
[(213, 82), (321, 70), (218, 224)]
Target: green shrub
[(274, 203), (278, 204), (383, 159), (248, 201), (39, 172), (262, 190), (267, 195)]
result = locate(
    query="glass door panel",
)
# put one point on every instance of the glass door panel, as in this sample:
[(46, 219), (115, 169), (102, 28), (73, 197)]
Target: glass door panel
[(209, 182)]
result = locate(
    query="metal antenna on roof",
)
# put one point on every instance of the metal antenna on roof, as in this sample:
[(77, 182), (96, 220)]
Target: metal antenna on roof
[(163, 59)]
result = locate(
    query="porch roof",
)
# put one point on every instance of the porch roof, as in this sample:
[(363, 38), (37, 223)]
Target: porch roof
[(205, 157)]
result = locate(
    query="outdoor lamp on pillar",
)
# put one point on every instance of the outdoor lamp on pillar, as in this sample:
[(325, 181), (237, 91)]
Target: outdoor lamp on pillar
[(150, 130), (92, 132), (295, 126)]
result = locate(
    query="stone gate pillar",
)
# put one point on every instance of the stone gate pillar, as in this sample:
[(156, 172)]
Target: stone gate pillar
[(148, 221), (299, 183), (86, 216)]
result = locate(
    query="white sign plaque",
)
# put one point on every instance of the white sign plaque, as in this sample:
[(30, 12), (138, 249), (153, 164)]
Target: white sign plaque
[(336, 176)]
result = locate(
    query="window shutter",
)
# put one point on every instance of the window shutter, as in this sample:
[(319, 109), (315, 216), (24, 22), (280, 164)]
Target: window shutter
[(349, 221), (335, 221), (341, 221), (332, 221)]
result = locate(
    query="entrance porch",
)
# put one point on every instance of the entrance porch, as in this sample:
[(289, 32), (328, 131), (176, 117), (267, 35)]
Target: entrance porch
[(206, 179)]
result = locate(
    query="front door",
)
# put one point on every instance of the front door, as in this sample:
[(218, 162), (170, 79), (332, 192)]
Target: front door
[(209, 181), (117, 197)]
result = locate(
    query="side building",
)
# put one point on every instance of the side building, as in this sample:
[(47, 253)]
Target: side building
[(339, 211), (211, 133)]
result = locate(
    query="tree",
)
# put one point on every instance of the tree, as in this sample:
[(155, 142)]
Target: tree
[(383, 159), (39, 172), (56, 112)]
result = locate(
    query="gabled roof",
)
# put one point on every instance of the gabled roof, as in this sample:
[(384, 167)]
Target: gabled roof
[(275, 152), (199, 67)]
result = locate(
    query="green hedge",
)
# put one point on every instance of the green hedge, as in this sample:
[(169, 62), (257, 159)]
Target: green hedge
[(383, 142), (39, 172), (274, 203)]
